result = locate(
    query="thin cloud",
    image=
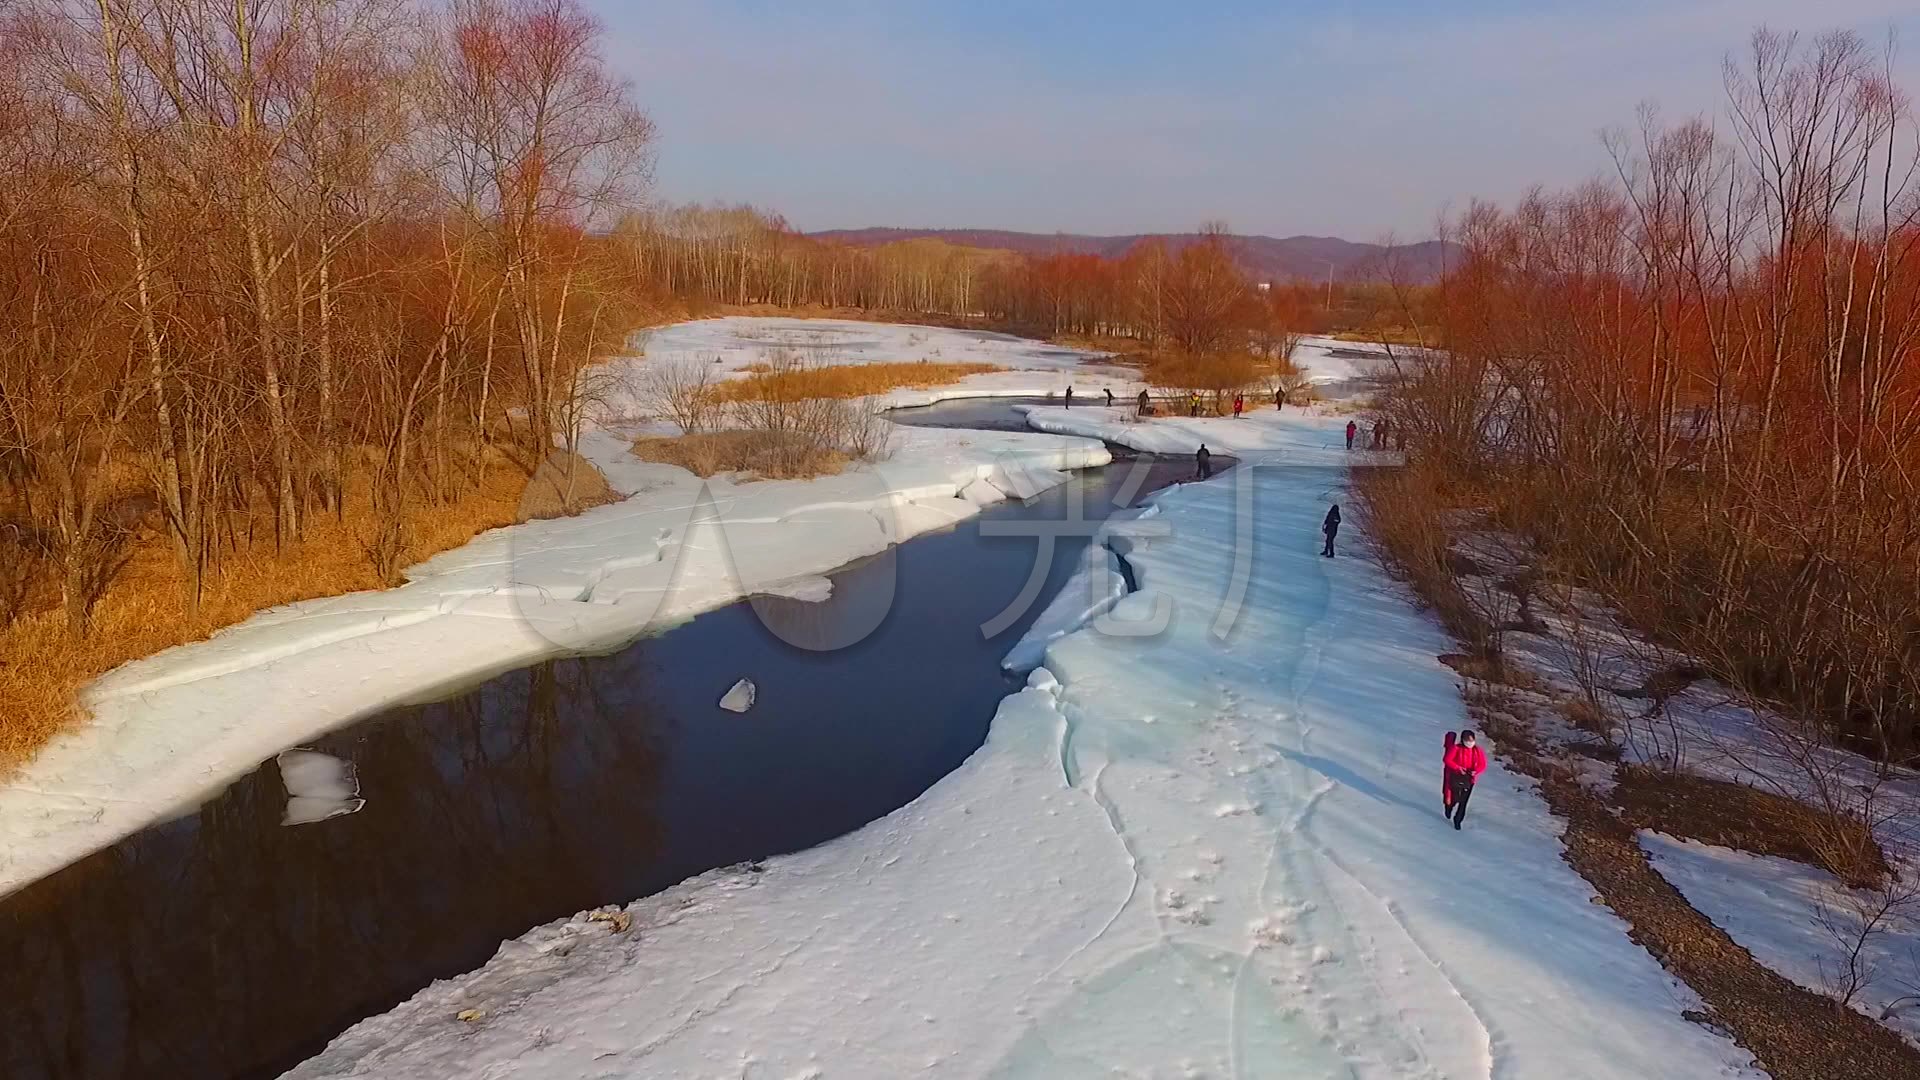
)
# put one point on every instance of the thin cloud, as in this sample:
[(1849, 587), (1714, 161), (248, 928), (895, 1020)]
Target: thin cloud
[(1372, 118)]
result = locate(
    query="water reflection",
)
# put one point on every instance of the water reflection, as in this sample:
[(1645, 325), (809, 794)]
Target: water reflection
[(226, 944)]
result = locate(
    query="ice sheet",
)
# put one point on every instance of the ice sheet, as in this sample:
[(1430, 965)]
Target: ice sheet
[(1096, 585), (1211, 851)]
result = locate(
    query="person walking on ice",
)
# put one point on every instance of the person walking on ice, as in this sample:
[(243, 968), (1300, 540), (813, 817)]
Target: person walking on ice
[(1330, 526), (1069, 397), (1108, 390), (1464, 763), (1352, 430), (1203, 462), (1146, 404)]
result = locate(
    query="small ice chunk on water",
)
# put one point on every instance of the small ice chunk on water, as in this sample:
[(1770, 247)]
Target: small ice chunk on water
[(981, 493), (813, 590), (319, 786), (740, 698), (1023, 480)]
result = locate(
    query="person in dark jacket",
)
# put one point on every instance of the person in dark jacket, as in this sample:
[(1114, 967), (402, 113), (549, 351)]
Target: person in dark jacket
[(1109, 392), (1069, 397), (1146, 404), (1330, 526), (1204, 461), (1280, 399)]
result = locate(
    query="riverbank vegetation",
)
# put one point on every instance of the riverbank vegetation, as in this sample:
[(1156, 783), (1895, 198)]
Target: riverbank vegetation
[(290, 295), (1696, 390), (844, 380), (1662, 491), (1190, 317)]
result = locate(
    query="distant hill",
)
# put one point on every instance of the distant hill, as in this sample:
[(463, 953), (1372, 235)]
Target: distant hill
[(1266, 257)]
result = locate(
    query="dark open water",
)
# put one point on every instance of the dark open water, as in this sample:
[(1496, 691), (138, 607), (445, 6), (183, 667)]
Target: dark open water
[(225, 944)]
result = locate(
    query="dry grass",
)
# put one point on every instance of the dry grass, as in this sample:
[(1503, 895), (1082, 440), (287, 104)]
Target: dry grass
[(43, 666), (1405, 512), (565, 484), (1390, 335), (1745, 818), (766, 454), (843, 381)]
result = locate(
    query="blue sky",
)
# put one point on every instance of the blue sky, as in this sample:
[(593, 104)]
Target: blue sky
[(1349, 119)]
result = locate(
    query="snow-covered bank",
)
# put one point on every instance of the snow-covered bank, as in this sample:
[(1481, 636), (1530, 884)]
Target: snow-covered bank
[(1095, 587), (1804, 924), (169, 730), (733, 342), (1034, 368), (1211, 850), (1010, 384), (1263, 435)]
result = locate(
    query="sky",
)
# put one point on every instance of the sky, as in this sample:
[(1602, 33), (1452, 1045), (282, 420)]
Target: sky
[(1358, 119)]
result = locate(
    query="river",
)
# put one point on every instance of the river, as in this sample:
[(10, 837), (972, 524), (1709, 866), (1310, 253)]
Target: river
[(226, 944)]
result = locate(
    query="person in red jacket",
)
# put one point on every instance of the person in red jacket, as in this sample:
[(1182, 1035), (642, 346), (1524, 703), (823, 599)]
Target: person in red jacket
[(1464, 762), (1352, 430), (1446, 775)]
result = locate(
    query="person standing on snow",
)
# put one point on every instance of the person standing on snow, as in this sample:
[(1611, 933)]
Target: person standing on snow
[(1280, 399), (1352, 430), (1146, 404), (1193, 405), (1330, 526), (1239, 404), (1204, 462), (1109, 392), (1069, 397), (1464, 762)]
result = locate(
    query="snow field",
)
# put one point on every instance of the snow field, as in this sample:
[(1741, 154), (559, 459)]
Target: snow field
[(1035, 368)]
